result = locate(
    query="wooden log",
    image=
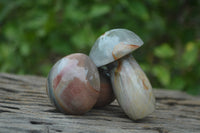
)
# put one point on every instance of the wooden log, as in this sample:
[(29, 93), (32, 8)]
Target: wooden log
[(25, 107)]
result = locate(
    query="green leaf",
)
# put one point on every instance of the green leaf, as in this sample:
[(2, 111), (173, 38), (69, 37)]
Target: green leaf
[(162, 73), (74, 13), (37, 20), (190, 55), (59, 46), (81, 40), (24, 49), (164, 51), (7, 8), (137, 8), (5, 52), (99, 10), (45, 68), (10, 32), (156, 25), (177, 83), (145, 67)]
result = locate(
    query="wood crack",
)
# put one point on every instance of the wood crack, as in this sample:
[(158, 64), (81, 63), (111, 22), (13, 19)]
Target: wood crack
[(9, 107), (8, 90), (40, 123)]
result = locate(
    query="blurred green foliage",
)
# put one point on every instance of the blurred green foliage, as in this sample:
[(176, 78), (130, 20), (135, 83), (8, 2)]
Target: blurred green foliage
[(35, 34)]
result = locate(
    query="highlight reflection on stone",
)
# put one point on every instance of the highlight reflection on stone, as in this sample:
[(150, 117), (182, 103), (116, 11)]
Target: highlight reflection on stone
[(73, 84)]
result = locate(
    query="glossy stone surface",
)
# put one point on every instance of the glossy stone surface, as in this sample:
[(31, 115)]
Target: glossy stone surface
[(73, 84), (106, 95), (132, 88), (113, 45)]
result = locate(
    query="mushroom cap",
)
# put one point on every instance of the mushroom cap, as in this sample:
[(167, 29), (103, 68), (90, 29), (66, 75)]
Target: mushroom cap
[(113, 45)]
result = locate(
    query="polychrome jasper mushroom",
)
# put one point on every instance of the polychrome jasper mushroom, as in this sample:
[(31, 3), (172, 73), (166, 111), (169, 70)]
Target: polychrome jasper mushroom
[(131, 87), (73, 84)]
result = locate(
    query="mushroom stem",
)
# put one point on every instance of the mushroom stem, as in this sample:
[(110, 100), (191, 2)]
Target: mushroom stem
[(132, 88)]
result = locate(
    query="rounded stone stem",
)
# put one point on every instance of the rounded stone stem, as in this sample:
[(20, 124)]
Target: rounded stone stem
[(132, 88)]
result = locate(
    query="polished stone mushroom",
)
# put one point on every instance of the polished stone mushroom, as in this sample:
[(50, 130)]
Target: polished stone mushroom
[(131, 87)]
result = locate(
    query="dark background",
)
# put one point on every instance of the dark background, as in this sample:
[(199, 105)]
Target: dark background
[(34, 34)]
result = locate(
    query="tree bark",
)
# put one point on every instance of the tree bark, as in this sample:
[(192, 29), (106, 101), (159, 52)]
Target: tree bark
[(25, 107)]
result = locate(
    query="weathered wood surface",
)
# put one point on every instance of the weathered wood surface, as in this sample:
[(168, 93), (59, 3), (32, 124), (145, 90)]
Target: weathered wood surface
[(25, 107)]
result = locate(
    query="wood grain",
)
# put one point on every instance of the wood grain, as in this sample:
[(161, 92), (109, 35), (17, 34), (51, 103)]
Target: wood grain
[(25, 107)]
